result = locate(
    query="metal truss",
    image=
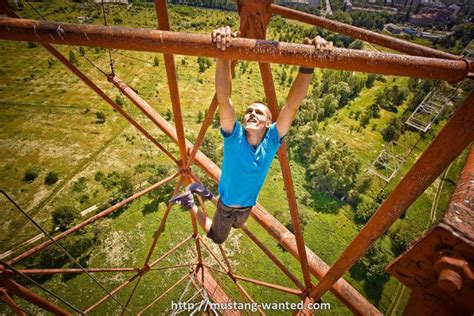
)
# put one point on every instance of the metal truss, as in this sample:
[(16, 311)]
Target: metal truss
[(389, 161), (422, 62), (429, 110)]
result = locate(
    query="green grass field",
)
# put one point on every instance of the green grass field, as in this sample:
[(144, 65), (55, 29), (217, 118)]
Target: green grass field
[(49, 123)]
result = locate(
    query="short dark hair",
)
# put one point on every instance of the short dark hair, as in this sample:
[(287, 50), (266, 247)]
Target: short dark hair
[(266, 105)]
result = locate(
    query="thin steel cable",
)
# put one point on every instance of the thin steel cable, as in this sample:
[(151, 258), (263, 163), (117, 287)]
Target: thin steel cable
[(105, 24), (62, 249), (41, 287)]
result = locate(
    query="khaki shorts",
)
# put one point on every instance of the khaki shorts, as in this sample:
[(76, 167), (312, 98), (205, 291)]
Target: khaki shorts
[(224, 219)]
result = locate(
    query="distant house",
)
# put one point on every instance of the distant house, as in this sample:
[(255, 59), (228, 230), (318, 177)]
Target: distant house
[(430, 36), (392, 28), (409, 31), (428, 16)]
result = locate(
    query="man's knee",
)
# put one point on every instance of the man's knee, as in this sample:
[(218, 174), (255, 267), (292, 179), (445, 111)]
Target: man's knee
[(216, 239)]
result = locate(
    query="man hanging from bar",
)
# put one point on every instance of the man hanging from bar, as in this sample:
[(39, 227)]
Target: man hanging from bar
[(249, 149)]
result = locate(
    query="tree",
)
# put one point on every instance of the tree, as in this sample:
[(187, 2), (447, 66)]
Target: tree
[(200, 117), (51, 178), (119, 100), (333, 168), (73, 58), (156, 61), (82, 51), (370, 81), (63, 217), (100, 117), (393, 130), (357, 44), (30, 175), (365, 209)]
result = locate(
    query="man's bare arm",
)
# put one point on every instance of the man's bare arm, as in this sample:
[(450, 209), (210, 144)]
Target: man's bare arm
[(298, 90), (222, 38), (223, 91)]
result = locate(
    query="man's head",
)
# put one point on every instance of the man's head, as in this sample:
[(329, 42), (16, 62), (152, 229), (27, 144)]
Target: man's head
[(257, 117)]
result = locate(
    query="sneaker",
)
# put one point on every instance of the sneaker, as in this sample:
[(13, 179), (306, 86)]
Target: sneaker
[(184, 199), (200, 189)]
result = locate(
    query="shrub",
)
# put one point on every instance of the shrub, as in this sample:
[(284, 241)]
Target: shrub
[(51, 178), (30, 175), (156, 61), (100, 117), (31, 44), (63, 217)]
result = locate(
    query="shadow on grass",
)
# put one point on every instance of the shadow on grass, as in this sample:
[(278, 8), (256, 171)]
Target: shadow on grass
[(373, 290), (325, 203)]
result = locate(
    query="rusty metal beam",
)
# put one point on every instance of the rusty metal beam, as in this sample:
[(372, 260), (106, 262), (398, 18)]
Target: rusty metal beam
[(166, 254), (74, 271), (455, 136), (362, 34), (6, 298), (161, 228), (161, 10), (90, 220), (270, 93), (438, 267), (138, 275), (164, 293), (247, 49), (272, 257), (270, 285), (21, 291), (163, 22)]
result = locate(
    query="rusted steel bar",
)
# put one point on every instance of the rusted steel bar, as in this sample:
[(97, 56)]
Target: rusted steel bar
[(75, 271), (113, 292), (270, 285), (164, 293), (202, 132), (20, 291), (362, 34), (162, 224), (247, 295), (214, 255), (163, 22), (6, 298), (247, 49), (214, 269), (90, 220), (270, 93), (272, 257), (455, 136), (131, 294), (216, 293), (161, 10), (462, 199), (175, 247), (174, 267)]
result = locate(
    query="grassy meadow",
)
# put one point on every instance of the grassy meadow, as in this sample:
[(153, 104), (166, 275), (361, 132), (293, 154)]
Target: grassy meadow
[(49, 123)]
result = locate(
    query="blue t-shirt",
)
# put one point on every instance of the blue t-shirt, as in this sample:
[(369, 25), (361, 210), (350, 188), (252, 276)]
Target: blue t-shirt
[(244, 168)]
